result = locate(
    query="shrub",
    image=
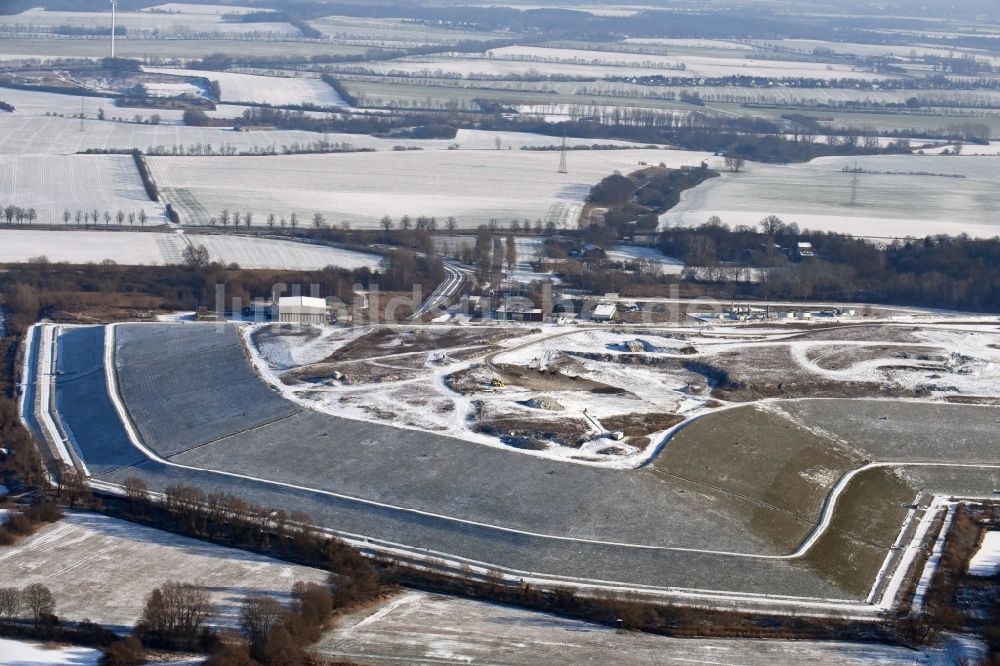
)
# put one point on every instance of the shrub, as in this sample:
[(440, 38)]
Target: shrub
[(46, 512), (126, 652), (19, 524)]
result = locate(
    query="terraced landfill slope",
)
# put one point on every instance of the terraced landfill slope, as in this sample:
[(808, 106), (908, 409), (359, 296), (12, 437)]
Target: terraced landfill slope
[(197, 401)]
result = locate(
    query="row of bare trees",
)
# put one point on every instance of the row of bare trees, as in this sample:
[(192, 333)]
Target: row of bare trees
[(12, 212), (94, 216)]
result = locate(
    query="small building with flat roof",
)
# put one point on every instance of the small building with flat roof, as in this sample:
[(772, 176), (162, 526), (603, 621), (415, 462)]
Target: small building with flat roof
[(300, 310)]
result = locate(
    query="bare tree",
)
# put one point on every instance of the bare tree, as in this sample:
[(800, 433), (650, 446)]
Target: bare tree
[(734, 164), (136, 492), (143, 217), (294, 220), (66, 217), (32, 214), (120, 217), (510, 255), (131, 218), (259, 614), (386, 223), (318, 220), (38, 600), (176, 610), (452, 224), (404, 222), (10, 603), (94, 217), (79, 216), (771, 225), (196, 256), (283, 222), (224, 217), (271, 219), (498, 142), (248, 218), (72, 486), (493, 225)]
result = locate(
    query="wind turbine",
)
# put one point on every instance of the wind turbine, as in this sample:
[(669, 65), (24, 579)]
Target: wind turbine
[(114, 11)]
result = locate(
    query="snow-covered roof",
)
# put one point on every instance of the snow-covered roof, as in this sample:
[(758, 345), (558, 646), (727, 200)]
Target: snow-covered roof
[(292, 302), (605, 310)]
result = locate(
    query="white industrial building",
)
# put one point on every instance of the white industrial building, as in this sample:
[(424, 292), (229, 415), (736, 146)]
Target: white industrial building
[(300, 310)]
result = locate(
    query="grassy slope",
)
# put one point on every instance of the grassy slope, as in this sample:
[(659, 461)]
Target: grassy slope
[(766, 472)]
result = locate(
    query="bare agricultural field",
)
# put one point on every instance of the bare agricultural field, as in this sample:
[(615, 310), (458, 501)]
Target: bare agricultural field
[(102, 569), (472, 186)]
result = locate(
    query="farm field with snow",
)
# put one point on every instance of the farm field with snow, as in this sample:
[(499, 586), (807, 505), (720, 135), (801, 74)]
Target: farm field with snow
[(892, 201), (102, 568), (472, 186), (179, 24), (274, 90), (36, 128), (394, 32), (51, 48), (159, 249), (254, 253), (419, 626), (52, 184), (522, 60)]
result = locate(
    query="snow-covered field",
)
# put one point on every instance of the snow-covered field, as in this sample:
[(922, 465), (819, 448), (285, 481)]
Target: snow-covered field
[(279, 254), (986, 561), (265, 89), (174, 24), (52, 184), (158, 249), (521, 60), (208, 10), (81, 247), (430, 628), (817, 196), (668, 265), (472, 186), (102, 569), (29, 130), (22, 653)]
